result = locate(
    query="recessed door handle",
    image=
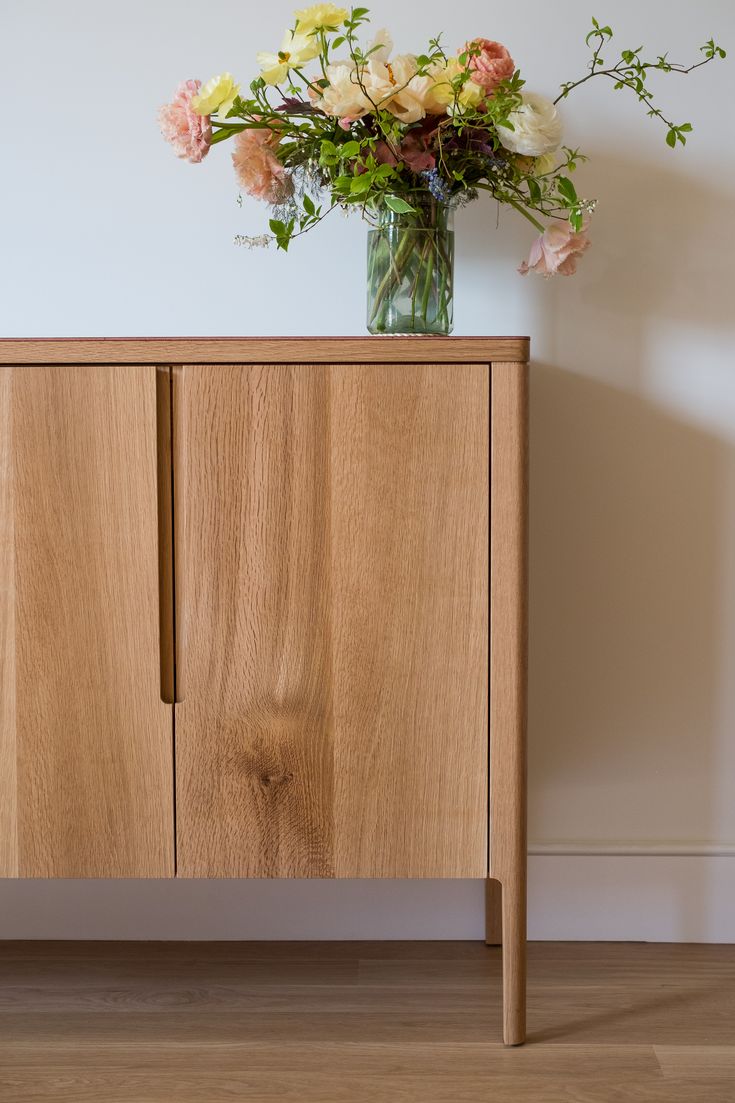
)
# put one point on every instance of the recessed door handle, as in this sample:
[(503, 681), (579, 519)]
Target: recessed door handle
[(171, 505)]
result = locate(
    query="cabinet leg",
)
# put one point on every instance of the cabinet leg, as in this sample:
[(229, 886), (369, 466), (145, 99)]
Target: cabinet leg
[(493, 913), (514, 962)]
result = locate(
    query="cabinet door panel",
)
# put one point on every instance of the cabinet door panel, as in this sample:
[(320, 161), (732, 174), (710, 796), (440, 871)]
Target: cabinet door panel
[(334, 576), (410, 642), (85, 743), (254, 731)]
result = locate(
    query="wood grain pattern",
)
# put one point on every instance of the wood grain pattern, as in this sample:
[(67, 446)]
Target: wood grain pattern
[(92, 738), (8, 735), (335, 716), (508, 675), (410, 470), (362, 1022), (254, 731), (262, 350)]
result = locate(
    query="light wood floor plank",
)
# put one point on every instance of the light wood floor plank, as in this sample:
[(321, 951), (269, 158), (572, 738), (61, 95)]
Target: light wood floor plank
[(362, 1023)]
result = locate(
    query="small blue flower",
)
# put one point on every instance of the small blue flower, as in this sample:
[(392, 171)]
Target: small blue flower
[(436, 184)]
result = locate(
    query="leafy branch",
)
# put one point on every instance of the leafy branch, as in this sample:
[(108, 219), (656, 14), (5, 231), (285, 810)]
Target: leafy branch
[(632, 70)]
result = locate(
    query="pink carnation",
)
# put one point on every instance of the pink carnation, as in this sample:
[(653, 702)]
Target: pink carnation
[(556, 251), (258, 170), (189, 133), (491, 65)]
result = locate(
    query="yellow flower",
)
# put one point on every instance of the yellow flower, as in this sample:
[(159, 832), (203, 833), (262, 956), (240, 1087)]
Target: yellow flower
[(218, 94), (471, 94), (326, 16), (543, 164), (296, 50)]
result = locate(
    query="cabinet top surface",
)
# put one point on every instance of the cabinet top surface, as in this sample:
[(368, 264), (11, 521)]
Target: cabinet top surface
[(254, 350)]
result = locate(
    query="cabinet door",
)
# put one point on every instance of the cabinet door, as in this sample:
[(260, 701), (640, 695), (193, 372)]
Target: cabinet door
[(86, 783), (335, 589)]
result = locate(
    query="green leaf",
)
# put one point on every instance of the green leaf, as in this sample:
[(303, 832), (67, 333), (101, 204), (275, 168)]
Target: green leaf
[(534, 190), (225, 133), (361, 184), (671, 138), (349, 150), (566, 189), (400, 206), (342, 184), (328, 154), (282, 232), (309, 205)]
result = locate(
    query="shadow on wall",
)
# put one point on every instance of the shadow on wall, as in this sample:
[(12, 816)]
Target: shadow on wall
[(667, 241), (625, 621), (628, 507)]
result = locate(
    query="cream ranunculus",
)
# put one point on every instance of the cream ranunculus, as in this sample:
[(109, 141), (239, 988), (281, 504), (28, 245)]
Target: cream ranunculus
[(326, 16), (382, 84), (536, 127), (343, 96), (416, 100), (296, 50), (217, 95), (388, 85)]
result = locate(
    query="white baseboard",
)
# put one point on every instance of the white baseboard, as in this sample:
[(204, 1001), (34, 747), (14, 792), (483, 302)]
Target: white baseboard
[(659, 897), (642, 895)]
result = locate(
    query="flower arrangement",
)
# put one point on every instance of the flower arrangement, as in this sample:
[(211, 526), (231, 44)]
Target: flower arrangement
[(333, 124)]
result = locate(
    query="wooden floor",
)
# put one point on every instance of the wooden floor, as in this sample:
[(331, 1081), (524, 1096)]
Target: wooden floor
[(352, 1022)]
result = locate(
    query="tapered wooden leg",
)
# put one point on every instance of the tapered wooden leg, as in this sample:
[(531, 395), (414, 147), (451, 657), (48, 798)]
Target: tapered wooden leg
[(493, 913), (508, 664), (514, 962)]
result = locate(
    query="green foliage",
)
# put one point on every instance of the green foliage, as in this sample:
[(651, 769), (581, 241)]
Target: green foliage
[(631, 72), (400, 206), (282, 231), (379, 162)]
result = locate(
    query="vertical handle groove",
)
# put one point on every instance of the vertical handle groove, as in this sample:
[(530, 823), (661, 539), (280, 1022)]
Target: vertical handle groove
[(166, 635), (178, 500)]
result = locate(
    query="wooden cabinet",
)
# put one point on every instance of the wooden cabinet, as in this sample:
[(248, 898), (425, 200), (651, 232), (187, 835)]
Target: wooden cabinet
[(249, 591)]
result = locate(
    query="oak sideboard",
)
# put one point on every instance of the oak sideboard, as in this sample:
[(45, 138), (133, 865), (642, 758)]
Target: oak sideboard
[(263, 613)]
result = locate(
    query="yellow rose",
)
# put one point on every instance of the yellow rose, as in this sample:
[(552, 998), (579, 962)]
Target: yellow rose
[(326, 16), (218, 94), (543, 164), (296, 50), (471, 95)]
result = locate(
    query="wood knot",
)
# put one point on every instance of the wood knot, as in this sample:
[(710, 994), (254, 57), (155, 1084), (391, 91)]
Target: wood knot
[(274, 778)]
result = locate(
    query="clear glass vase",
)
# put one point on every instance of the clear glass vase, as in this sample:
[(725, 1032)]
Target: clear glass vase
[(411, 270)]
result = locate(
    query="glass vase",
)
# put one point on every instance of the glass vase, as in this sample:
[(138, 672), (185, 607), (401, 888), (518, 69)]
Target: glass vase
[(411, 270)]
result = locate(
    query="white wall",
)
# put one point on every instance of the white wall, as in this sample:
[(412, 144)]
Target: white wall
[(632, 764)]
